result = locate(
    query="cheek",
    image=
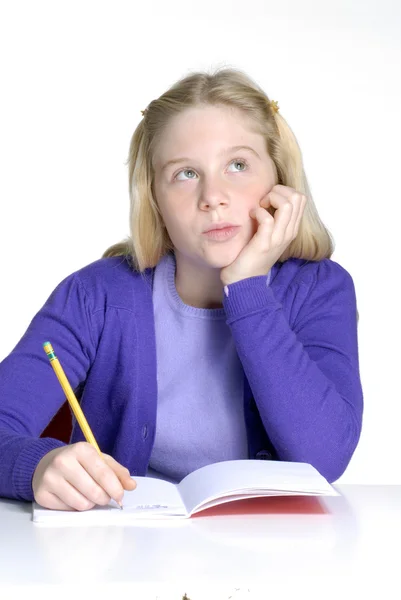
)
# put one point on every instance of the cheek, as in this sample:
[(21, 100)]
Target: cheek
[(255, 195), (251, 202), (249, 224), (177, 222)]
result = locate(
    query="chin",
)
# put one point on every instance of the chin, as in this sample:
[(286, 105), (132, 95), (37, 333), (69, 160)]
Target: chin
[(219, 258)]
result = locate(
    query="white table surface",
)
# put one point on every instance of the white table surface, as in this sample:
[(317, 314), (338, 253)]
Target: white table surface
[(351, 546)]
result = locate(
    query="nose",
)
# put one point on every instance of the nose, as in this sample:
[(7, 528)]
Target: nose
[(212, 195)]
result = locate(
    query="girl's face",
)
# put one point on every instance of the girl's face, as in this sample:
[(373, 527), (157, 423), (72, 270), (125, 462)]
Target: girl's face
[(210, 166)]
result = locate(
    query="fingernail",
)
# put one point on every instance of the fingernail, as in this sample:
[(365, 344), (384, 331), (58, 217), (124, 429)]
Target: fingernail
[(119, 502)]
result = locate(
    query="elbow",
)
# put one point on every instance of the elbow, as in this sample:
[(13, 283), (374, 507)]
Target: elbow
[(332, 470), (333, 459), (330, 456)]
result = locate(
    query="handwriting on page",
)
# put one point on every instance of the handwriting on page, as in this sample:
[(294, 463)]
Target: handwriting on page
[(138, 506)]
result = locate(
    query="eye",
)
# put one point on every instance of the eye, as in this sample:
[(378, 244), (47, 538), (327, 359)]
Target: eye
[(184, 171), (236, 162), (242, 162)]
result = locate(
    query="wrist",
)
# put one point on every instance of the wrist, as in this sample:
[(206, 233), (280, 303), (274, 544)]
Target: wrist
[(227, 280)]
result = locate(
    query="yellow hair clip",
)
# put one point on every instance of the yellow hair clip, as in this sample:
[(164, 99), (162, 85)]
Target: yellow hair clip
[(274, 106)]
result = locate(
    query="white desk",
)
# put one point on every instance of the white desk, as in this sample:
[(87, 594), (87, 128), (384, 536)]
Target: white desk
[(351, 548)]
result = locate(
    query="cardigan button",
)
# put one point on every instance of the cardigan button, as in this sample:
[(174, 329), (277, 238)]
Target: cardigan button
[(263, 455), (145, 432)]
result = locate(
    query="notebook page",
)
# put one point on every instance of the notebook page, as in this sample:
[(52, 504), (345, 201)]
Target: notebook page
[(152, 498), (152, 493), (251, 477)]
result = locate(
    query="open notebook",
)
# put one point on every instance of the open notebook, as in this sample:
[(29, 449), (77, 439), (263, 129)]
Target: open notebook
[(208, 486)]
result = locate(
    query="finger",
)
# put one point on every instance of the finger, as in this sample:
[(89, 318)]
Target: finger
[(122, 472), (102, 475), (265, 225), (76, 465), (84, 476), (278, 200), (300, 214), (293, 195), (297, 202), (68, 495), (282, 217), (265, 202), (52, 501), (284, 190), (263, 217), (47, 499)]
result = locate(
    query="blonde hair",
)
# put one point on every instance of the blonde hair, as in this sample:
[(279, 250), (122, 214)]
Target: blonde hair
[(149, 240)]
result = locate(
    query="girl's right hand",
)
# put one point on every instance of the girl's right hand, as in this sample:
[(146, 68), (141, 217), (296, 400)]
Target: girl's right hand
[(75, 477)]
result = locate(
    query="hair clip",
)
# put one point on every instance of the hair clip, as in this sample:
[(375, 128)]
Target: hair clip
[(274, 106)]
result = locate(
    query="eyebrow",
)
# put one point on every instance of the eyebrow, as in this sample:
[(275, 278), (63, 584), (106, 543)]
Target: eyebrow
[(175, 161)]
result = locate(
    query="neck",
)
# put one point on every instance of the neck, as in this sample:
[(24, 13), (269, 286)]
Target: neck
[(197, 286)]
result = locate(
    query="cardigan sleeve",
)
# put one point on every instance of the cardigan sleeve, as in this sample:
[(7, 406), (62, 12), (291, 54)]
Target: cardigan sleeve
[(303, 371), (30, 394)]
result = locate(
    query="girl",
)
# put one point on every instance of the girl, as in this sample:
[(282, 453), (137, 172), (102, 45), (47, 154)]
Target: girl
[(219, 330)]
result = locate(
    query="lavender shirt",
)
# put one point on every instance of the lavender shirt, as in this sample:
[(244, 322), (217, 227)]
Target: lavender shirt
[(200, 404)]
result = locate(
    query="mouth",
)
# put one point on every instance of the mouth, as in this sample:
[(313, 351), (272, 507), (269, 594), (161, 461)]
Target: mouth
[(222, 234), (219, 225)]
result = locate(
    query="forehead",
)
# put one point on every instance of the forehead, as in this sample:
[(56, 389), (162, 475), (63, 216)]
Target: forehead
[(206, 126)]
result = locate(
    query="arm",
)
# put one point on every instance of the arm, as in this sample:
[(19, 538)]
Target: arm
[(30, 394), (304, 376)]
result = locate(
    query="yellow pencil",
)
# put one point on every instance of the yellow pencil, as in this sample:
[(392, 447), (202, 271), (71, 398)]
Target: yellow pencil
[(73, 402)]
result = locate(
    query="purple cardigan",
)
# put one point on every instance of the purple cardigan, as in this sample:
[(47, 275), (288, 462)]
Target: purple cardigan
[(296, 339)]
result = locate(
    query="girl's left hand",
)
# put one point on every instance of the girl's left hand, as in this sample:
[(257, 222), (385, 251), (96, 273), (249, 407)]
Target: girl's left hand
[(272, 237)]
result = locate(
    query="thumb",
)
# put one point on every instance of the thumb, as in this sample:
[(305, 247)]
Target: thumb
[(122, 472)]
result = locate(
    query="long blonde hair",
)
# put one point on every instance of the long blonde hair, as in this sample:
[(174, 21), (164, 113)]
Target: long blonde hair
[(149, 240)]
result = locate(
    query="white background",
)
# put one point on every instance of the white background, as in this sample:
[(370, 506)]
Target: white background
[(74, 78)]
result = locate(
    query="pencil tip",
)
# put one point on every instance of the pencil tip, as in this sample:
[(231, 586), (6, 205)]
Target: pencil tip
[(120, 504)]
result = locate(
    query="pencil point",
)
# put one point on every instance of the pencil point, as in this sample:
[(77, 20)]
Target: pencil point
[(120, 504)]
